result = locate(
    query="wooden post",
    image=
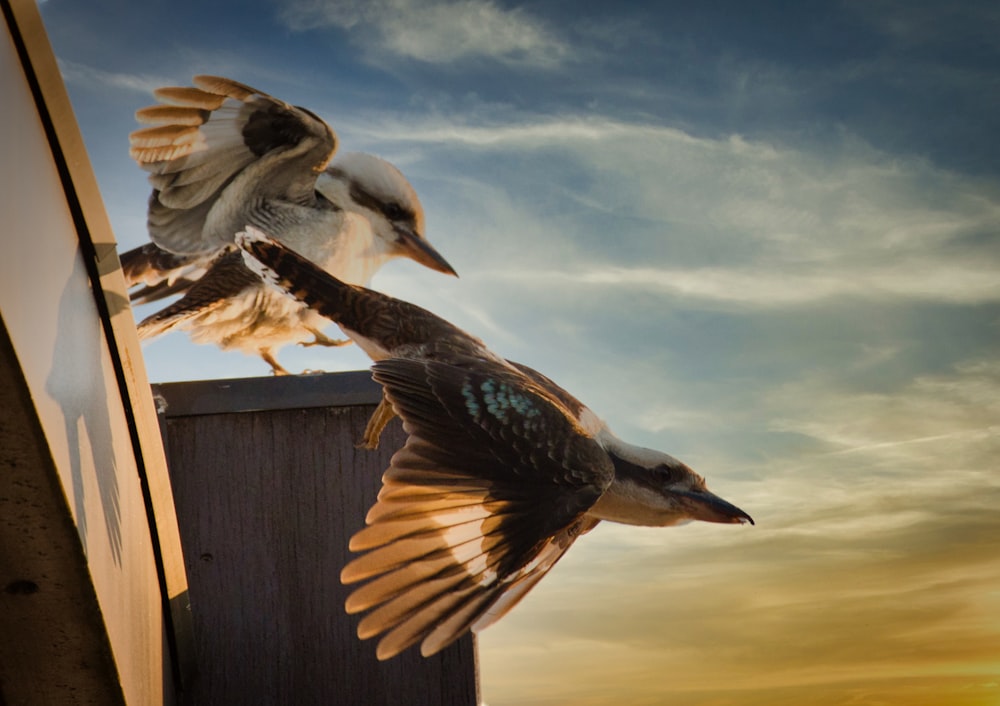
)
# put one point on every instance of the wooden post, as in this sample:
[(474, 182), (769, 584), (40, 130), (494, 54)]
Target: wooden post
[(268, 487)]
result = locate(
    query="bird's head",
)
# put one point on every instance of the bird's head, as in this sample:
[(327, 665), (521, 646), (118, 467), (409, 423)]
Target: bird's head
[(370, 186), (655, 489)]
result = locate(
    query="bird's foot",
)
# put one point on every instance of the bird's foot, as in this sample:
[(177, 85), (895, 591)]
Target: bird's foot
[(321, 339), (382, 415), (276, 368)]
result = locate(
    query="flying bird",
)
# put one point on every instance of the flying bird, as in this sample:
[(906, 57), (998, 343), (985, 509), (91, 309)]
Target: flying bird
[(501, 471), (223, 156)]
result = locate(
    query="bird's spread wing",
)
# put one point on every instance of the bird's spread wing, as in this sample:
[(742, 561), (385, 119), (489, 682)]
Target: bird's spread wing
[(486, 495), (225, 278), (204, 137)]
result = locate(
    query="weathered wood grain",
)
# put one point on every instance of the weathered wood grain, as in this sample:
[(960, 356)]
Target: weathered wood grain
[(266, 502)]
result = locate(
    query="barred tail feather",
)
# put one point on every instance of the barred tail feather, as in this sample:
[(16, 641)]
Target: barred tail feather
[(301, 278)]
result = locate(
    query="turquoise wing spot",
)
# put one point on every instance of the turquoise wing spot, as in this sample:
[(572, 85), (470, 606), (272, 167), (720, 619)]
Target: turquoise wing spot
[(500, 401), (471, 403), (488, 389)]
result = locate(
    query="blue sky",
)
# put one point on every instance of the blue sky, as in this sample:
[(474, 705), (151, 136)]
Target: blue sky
[(760, 236)]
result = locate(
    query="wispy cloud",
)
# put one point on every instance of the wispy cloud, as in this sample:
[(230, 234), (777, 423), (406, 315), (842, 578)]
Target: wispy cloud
[(927, 24), (869, 566), (437, 32), (937, 421), (518, 132), (733, 221), (958, 283), (76, 73)]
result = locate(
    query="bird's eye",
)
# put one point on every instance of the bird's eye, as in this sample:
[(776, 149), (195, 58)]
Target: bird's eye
[(668, 473), (394, 212)]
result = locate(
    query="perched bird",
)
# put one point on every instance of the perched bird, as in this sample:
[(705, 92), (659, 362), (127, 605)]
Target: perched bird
[(222, 156), (501, 471)]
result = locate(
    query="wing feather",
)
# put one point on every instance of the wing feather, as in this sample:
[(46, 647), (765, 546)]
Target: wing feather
[(394, 582), (388, 529), (219, 135), (419, 624), (189, 96), (404, 606), (171, 115), (447, 503), (482, 500), (532, 574)]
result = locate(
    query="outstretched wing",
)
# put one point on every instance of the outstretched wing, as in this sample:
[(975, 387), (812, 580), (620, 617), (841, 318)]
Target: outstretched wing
[(489, 491), (203, 138)]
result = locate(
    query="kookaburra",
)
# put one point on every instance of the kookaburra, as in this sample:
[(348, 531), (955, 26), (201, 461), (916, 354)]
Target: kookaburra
[(223, 156), (501, 471)]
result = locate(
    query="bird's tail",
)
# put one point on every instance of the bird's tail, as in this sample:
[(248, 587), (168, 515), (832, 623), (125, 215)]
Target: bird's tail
[(162, 273), (225, 279), (177, 315), (156, 325)]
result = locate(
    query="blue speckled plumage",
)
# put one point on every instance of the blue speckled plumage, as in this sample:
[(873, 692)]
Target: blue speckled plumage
[(471, 402), (500, 398)]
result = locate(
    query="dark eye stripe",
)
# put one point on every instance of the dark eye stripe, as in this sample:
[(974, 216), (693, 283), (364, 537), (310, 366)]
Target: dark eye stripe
[(652, 477), (391, 210)]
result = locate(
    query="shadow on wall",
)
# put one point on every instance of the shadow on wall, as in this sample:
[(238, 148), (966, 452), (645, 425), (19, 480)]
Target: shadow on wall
[(76, 372)]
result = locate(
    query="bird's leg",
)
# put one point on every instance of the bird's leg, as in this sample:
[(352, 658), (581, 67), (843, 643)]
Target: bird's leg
[(276, 368), (321, 339), (382, 415)]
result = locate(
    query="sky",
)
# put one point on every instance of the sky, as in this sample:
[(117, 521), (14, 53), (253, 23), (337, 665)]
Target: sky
[(763, 237)]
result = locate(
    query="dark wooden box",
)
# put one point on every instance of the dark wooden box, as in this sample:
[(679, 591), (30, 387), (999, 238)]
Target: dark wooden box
[(269, 486)]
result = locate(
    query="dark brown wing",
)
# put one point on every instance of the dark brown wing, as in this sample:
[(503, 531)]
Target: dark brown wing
[(204, 137), (486, 495), (572, 404), (382, 325)]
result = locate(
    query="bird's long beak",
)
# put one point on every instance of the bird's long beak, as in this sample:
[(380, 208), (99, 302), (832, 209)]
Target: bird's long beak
[(708, 507), (417, 248)]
